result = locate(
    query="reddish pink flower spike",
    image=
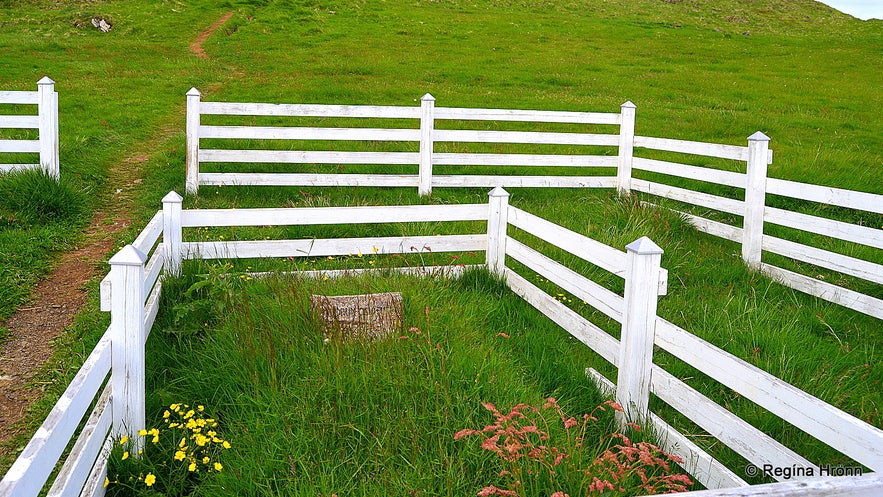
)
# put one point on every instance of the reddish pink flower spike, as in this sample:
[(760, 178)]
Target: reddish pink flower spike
[(501, 334), (465, 433), (559, 494), (570, 423), (492, 490)]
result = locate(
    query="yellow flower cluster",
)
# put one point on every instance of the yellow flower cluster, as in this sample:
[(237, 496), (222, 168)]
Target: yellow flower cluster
[(199, 439)]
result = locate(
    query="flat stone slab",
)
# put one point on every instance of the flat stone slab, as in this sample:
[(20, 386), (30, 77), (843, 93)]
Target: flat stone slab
[(366, 316)]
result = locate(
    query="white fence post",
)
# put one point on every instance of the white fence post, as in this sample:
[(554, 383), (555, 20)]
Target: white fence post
[(755, 199), (192, 130), (127, 342), (638, 329), (427, 127), (626, 148), (47, 110), (497, 222), (171, 232)]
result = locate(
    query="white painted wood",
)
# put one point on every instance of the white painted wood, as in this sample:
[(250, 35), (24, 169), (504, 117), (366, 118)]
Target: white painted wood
[(497, 224), (304, 179), (427, 128), (17, 167), (826, 195), (728, 205), (335, 247), (151, 309), (47, 109), (19, 122), (94, 486), (526, 137), (694, 148), (19, 97), (587, 249), (626, 148), (827, 291), (546, 116), (20, 146), (824, 258), (582, 288), (194, 108), (172, 232), (104, 289), (152, 269), (755, 198), (454, 271), (849, 435), (484, 181), (868, 485), (29, 472), (308, 110), (86, 451), (707, 470), (127, 343), (307, 157), (821, 226), (737, 434), (194, 218), (301, 133), (727, 178), (527, 160), (715, 228), (638, 329), (148, 237), (594, 337)]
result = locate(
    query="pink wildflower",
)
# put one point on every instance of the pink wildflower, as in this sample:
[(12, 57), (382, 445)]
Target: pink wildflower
[(492, 490)]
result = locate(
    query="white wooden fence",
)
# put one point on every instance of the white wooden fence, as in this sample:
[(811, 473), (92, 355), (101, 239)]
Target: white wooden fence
[(425, 136), (753, 209), (45, 122), (114, 371), (756, 215)]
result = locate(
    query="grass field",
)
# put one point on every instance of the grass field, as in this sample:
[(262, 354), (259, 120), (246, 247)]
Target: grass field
[(715, 71)]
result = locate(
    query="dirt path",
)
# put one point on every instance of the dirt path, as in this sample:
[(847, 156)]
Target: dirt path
[(58, 298)]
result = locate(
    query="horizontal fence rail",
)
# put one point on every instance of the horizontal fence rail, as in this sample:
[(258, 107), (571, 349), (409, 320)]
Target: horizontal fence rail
[(45, 123)]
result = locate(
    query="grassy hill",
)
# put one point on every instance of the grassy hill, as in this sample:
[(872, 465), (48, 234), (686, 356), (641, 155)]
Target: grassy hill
[(801, 72)]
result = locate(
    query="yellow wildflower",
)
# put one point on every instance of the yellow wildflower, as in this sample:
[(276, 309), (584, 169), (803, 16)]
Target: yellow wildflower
[(125, 455), (206, 459), (166, 414), (150, 479), (226, 444), (218, 466), (192, 467), (180, 455), (106, 481), (142, 432), (200, 408), (124, 440)]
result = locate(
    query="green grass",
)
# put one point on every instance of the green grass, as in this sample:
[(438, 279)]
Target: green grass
[(697, 70)]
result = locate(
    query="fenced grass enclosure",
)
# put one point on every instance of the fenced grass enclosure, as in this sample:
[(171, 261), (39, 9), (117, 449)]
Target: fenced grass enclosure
[(106, 399), (44, 145), (226, 138)]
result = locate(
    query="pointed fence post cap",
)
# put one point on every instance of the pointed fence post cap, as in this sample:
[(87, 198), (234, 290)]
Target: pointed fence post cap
[(193, 92), (498, 192), (427, 98), (644, 246), (45, 80), (629, 104), (758, 137), (172, 197), (128, 256)]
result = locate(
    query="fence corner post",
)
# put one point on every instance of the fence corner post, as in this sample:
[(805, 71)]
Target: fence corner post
[(498, 221), (192, 130), (638, 330), (47, 110), (171, 232), (427, 127), (755, 199), (127, 343), (626, 148)]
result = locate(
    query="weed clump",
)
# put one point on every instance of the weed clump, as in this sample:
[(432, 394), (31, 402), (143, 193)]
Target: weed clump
[(33, 197)]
